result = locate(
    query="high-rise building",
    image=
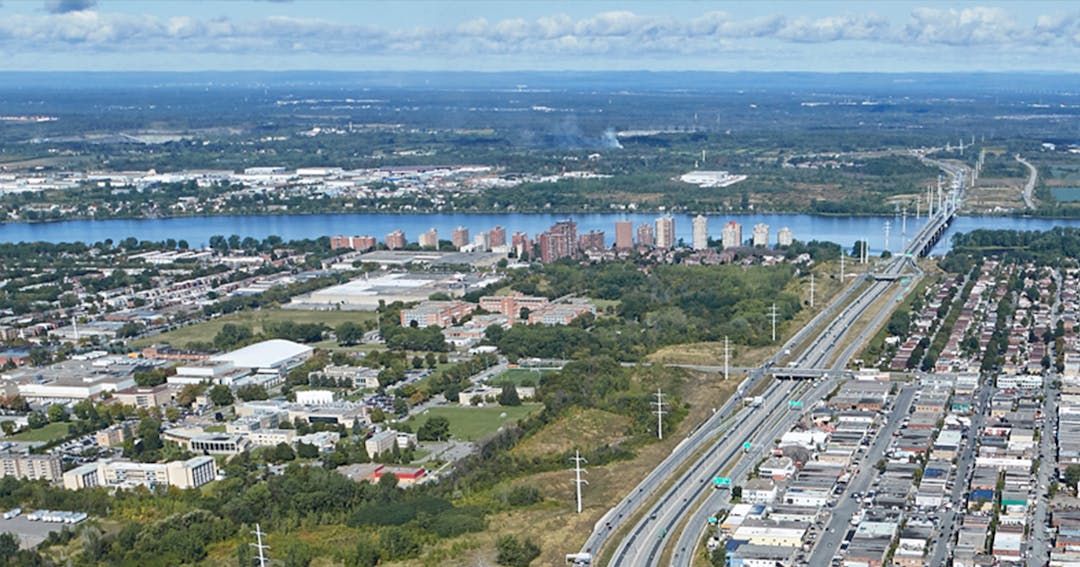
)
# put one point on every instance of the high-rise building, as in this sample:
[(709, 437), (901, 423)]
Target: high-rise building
[(645, 236), (761, 234), (784, 237), (701, 232), (481, 243), (359, 243), (460, 237), (592, 241), (497, 237), (560, 241), (32, 467), (395, 240), (665, 232), (624, 234), (731, 235), (522, 244), (430, 239)]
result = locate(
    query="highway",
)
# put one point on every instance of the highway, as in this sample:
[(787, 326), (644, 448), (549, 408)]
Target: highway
[(649, 538), (718, 444), (708, 431)]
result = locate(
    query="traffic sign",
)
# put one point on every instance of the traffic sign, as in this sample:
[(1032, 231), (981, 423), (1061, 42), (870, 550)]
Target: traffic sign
[(721, 481)]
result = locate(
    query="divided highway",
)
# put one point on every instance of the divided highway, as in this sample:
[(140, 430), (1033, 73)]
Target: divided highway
[(718, 445)]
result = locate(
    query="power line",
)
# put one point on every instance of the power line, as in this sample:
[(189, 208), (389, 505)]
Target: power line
[(578, 481)]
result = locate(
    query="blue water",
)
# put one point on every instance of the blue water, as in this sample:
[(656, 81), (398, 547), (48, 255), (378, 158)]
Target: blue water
[(198, 230)]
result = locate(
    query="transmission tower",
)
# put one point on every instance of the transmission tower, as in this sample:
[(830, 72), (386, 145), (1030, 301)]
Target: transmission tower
[(773, 314), (727, 356), (263, 561), (578, 481), (659, 403)]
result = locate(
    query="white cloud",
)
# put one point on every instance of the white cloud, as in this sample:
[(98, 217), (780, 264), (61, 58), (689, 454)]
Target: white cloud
[(619, 34), (978, 25)]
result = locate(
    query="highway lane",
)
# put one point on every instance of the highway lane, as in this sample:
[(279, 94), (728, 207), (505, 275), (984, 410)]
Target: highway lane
[(760, 433), (687, 544), (635, 548)]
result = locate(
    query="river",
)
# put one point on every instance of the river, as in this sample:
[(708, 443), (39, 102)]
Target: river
[(844, 230)]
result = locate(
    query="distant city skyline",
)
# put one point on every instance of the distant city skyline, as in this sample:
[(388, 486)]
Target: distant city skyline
[(829, 36)]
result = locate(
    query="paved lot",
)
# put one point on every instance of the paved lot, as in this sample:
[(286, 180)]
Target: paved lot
[(30, 533)]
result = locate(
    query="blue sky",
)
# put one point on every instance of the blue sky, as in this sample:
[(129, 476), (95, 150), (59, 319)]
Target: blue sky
[(524, 35)]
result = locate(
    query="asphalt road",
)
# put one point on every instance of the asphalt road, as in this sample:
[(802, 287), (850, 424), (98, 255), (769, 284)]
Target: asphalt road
[(1029, 186), (846, 506)]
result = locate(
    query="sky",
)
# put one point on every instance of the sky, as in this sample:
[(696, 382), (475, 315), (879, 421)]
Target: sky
[(509, 35)]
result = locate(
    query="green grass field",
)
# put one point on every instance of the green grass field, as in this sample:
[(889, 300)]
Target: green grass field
[(204, 332), (518, 376), (471, 424), (48, 433)]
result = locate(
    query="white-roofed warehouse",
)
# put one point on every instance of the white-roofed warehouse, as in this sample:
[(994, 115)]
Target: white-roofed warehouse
[(273, 356)]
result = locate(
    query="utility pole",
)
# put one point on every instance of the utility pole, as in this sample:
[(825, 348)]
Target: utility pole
[(659, 403), (773, 315), (811, 290), (888, 225), (903, 229), (727, 356), (259, 545), (842, 254), (578, 481)]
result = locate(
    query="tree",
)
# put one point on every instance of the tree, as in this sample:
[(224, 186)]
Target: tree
[(523, 495), (8, 427), (1072, 476), (349, 333), (249, 392), (9, 546), (172, 413), (149, 432), (188, 394), (306, 450), (232, 335), (36, 420), (366, 553), (509, 396), (437, 428), (514, 552), (221, 395), (399, 543), (57, 413), (39, 357)]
